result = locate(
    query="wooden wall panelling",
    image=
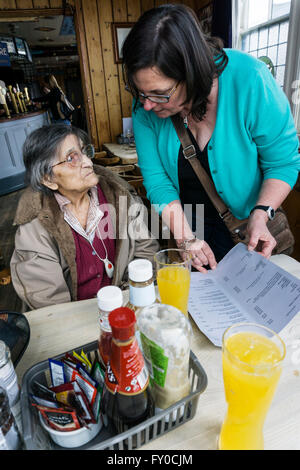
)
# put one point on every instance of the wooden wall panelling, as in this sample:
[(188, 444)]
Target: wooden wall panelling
[(133, 14), (126, 98), (85, 73), (106, 100), (133, 10), (56, 3), (23, 4), (120, 16), (93, 42), (157, 3), (105, 16), (119, 10), (146, 5), (7, 4), (41, 4)]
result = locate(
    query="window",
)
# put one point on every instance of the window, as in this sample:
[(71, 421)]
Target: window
[(265, 33), (269, 30)]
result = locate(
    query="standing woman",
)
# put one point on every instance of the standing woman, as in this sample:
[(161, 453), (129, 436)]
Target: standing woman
[(238, 119), (53, 100)]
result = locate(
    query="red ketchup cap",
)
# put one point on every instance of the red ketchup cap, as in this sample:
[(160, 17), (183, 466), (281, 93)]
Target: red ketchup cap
[(122, 321)]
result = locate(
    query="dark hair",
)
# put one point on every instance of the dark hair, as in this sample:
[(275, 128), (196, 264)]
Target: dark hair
[(170, 38), (40, 149)]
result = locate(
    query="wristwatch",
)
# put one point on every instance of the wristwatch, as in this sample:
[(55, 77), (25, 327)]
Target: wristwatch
[(268, 209)]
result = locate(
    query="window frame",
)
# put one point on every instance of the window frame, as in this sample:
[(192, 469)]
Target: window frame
[(291, 84), (291, 81), (261, 26)]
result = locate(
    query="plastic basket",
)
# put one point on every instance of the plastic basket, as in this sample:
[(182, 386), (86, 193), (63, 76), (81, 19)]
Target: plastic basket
[(36, 438)]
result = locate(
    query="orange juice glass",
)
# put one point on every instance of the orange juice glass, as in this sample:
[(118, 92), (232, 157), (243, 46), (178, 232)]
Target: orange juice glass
[(252, 363), (173, 274)]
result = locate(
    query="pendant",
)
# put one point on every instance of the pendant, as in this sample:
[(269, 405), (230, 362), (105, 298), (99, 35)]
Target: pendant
[(109, 268)]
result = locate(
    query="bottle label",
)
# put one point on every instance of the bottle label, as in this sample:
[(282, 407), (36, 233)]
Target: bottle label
[(103, 322), (129, 376), (156, 360), (142, 296)]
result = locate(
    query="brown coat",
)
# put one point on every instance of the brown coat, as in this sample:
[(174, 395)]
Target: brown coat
[(43, 266)]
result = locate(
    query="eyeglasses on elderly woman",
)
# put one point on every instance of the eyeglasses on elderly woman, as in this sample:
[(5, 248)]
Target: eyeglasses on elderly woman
[(74, 158)]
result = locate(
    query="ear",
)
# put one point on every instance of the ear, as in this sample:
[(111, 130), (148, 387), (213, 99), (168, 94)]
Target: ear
[(47, 181)]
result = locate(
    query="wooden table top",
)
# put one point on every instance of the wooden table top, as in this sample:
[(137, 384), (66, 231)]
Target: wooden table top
[(59, 328), (123, 151)]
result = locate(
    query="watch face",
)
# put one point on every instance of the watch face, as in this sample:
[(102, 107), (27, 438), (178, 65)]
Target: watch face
[(271, 213)]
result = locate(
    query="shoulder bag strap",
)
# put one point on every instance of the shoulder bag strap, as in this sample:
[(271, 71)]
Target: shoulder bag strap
[(189, 153)]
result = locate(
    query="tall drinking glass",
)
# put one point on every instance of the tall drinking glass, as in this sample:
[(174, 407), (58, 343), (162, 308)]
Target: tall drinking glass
[(173, 274), (252, 363)]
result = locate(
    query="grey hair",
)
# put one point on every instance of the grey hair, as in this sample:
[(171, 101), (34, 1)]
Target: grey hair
[(40, 149)]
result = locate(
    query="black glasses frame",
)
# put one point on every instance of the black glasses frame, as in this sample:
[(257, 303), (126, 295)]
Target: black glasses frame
[(154, 98)]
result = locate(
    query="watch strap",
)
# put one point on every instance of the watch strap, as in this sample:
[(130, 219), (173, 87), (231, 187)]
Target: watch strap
[(264, 208), (268, 209)]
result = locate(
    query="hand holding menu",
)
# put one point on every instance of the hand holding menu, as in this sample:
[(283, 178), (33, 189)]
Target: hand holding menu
[(245, 287)]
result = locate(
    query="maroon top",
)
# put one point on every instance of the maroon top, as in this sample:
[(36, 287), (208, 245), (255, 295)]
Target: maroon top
[(91, 274)]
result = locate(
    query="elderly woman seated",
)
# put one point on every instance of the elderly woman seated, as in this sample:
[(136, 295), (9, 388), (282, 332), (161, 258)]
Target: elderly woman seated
[(78, 230)]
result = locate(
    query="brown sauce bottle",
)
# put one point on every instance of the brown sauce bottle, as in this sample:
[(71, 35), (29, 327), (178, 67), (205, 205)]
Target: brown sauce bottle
[(127, 399)]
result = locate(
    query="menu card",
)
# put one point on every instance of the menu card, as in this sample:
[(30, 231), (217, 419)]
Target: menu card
[(245, 287)]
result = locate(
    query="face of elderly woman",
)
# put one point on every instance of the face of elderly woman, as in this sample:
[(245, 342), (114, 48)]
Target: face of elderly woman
[(151, 81), (67, 178)]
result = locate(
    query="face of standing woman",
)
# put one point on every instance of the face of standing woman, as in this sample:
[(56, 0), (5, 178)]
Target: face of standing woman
[(151, 81)]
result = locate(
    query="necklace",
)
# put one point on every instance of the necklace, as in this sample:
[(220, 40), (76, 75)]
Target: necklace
[(109, 267)]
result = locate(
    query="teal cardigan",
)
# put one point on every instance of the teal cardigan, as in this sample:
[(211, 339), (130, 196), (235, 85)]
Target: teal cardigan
[(254, 139)]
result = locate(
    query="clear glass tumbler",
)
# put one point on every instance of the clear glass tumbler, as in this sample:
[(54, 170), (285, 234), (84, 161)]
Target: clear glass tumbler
[(252, 362), (173, 274)]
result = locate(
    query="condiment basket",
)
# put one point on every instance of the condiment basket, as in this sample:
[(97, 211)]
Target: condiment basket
[(36, 438)]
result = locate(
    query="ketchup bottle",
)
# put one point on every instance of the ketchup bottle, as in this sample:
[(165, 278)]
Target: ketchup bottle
[(127, 399)]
